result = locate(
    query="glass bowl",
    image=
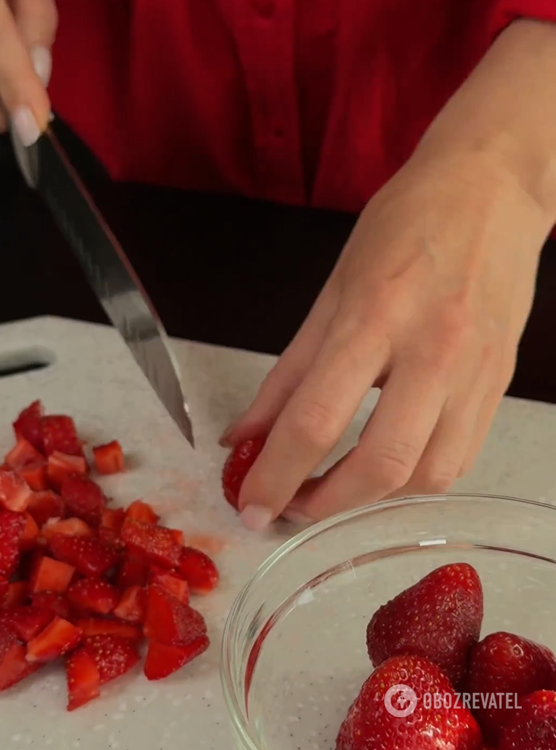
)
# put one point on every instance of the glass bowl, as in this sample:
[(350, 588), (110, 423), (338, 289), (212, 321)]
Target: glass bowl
[(294, 653)]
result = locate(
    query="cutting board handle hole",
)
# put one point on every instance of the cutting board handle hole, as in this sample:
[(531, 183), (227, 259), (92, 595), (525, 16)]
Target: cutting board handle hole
[(25, 360)]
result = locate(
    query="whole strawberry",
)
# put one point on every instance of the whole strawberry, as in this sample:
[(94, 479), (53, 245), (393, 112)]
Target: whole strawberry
[(439, 618), (238, 463), (371, 725), (533, 726), (508, 666)]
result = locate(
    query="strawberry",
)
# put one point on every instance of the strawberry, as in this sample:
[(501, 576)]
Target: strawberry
[(238, 463), (113, 519), (439, 618), (13, 665), (170, 621), (533, 725), (59, 434), (60, 466), (155, 542), (507, 664), (82, 678), (170, 582), (109, 458), (84, 499), (133, 570), (57, 639), (15, 595), (4, 587), (100, 626), (198, 570), (163, 660), (93, 595), (113, 656), (140, 511), (12, 527), (51, 602), (23, 453), (131, 606), (27, 622), (370, 726), (15, 493), (65, 527), (46, 505), (89, 556), (28, 426), (50, 575), (34, 475), (30, 535)]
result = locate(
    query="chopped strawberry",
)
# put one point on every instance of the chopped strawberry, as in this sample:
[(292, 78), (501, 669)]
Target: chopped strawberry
[(133, 571), (51, 602), (131, 606), (15, 595), (109, 458), (236, 467), (46, 505), (113, 656), (15, 493), (170, 621), (50, 575), (59, 434), (23, 453), (198, 570), (163, 660), (30, 534), (533, 725), (89, 556), (155, 542), (101, 626), (12, 527), (509, 664), (35, 476), (110, 538), (369, 725), (13, 665), (113, 519), (27, 622), (57, 639), (93, 595), (28, 426), (83, 679), (60, 466), (140, 511), (4, 586), (84, 499), (65, 527), (170, 583), (439, 618), (178, 536)]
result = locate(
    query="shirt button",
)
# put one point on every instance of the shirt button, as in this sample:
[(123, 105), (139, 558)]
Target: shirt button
[(265, 8)]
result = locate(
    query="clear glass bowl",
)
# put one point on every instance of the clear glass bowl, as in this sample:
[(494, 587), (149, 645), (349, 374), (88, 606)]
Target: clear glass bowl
[(294, 653)]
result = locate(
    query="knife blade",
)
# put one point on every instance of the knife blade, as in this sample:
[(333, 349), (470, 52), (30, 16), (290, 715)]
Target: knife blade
[(47, 169)]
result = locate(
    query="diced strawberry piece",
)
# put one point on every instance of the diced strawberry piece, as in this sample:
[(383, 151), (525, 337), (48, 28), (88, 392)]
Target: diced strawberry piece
[(199, 571), (50, 575), (15, 595), (110, 538), (59, 434), (178, 536), (113, 656), (84, 499), (140, 511), (100, 626), (53, 603), (30, 534), (133, 571), (170, 583), (131, 606), (170, 621), (58, 638), (236, 467), (15, 493), (155, 542), (27, 622), (93, 595), (109, 458), (45, 505), (163, 660), (89, 556), (23, 453), (83, 679), (113, 519), (65, 527), (28, 425), (13, 665), (60, 466), (12, 526), (34, 475)]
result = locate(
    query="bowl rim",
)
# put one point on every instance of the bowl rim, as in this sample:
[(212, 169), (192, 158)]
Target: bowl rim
[(233, 706)]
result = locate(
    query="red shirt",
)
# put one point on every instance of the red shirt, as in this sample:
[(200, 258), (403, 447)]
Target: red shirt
[(314, 102)]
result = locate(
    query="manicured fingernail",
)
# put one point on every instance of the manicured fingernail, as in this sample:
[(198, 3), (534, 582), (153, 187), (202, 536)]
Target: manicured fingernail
[(42, 62), (25, 126), (256, 517), (299, 519)]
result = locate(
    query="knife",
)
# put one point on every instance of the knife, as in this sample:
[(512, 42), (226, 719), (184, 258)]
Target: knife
[(47, 170)]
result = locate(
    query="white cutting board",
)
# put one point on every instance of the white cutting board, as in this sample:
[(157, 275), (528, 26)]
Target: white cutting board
[(94, 379)]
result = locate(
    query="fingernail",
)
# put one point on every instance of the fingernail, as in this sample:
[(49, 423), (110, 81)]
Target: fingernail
[(294, 516), (25, 126), (225, 441), (256, 517), (42, 63)]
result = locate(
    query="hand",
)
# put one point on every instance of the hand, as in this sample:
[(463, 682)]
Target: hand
[(27, 29), (428, 301)]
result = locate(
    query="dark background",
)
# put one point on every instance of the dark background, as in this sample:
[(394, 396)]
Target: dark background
[(222, 270)]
